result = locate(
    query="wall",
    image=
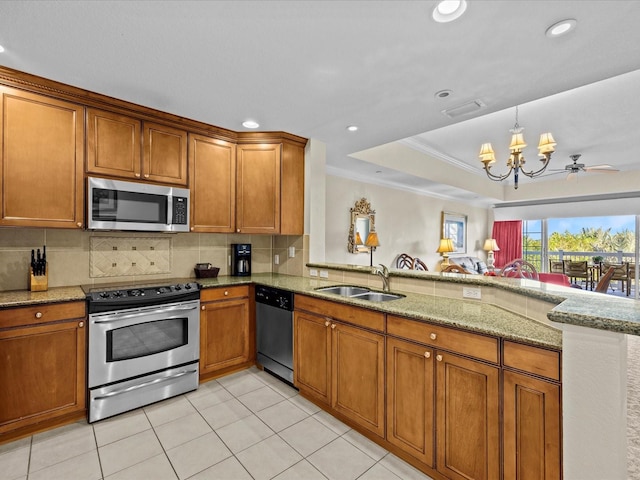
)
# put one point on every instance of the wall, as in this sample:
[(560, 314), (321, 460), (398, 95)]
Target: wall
[(405, 223), (78, 257)]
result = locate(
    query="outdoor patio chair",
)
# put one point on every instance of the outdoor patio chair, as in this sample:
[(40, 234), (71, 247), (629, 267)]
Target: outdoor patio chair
[(579, 270), (556, 266), (620, 274)]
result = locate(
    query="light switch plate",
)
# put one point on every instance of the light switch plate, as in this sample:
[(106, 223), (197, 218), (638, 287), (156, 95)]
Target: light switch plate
[(324, 274), (276, 259), (313, 272), (292, 252), (468, 292)]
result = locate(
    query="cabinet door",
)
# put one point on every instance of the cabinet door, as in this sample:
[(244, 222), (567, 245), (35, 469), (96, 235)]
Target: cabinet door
[(410, 398), (213, 184), (258, 189), (42, 374), (165, 154), (358, 376), (42, 161), (113, 144), (531, 428), (312, 355), (224, 335), (468, 422), (292, 190)]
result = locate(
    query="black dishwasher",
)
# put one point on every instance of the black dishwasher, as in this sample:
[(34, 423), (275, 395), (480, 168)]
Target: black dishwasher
[(274, 331)]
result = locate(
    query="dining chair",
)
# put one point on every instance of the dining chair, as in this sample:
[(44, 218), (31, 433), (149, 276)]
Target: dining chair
[(419, 265), (579, 270), (455, 269), (620, 274), (404, 261), (519, 268), (605, 280)]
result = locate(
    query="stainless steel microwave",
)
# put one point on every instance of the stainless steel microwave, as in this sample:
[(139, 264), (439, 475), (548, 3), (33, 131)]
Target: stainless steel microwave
[(119, 205)]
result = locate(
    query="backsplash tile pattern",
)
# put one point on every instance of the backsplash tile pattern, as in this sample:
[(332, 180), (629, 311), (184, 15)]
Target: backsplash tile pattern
[(127, 256)]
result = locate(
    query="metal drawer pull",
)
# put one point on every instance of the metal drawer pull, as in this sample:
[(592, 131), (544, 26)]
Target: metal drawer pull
[(333, 325), (327, 323), (439, 358), (427, 354), (38, 314), (433, 336), (146, 384)]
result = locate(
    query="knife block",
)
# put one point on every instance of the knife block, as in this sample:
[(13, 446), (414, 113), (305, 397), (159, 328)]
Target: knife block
[(39, 283)]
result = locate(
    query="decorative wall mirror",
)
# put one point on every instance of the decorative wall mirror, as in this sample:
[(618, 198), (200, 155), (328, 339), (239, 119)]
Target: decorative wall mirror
[(454, 226), (362, 222)]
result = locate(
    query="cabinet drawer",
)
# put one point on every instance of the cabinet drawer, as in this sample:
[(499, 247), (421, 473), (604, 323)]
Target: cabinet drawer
[(471, 344), (537, 361), (339, 311), (223, 293), (44, 313)]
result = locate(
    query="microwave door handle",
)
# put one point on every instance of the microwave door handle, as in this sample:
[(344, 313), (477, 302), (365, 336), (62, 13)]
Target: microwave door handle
[(169, 210), (114, 317)]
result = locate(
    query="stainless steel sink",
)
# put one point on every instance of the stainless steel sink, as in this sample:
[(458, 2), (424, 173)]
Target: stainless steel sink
[(377, 296), (344, 290), (362, 293)]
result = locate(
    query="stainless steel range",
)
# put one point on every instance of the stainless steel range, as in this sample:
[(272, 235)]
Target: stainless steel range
[(144, 345)]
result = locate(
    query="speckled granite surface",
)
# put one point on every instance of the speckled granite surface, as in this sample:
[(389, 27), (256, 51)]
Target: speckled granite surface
[(574, 306), (19, 298), (468, 314)]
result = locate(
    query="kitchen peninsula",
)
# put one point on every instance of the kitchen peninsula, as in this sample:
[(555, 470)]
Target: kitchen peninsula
[(593, 346)]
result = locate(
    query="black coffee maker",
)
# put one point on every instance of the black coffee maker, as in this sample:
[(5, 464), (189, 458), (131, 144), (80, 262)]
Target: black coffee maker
[(240, 259)]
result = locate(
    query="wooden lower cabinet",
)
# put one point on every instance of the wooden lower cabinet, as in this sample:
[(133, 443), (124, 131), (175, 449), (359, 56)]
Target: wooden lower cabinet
[(226, 333), (341, 366), (43, 366), (467, 418), (410, 398), (532, 426)]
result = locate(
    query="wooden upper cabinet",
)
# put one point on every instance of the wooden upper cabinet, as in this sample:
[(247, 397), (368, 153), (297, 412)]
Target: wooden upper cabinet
[(125, 147), (213, 184), (292, 190), (258, 188), (41, 161), (165, 154)]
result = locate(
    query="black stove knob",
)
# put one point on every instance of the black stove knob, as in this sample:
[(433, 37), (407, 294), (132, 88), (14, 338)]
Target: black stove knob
[(118, 294), (104, 295), (187, 286), (178, 287), (162, 290), (136, 293)]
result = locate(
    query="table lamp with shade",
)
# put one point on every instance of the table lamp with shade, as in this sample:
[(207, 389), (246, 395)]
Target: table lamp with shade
[(445, 248), (490, 246), (372, 242), (358, 240)]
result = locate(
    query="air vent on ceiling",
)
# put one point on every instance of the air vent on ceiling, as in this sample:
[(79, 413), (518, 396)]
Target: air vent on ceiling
[(464, 109)]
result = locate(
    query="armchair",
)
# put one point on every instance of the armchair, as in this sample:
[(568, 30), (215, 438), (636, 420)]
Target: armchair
[(579, 269)]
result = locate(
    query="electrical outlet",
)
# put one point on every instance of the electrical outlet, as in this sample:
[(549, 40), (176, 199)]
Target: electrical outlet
[(292, 252), (276, 259), (468, 292), (324, 274), (313, 272)]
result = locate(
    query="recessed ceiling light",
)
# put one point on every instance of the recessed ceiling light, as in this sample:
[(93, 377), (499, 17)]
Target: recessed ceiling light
[(449, 10), (561, 28), (352, 128), (443, 93), (250, 124), (1, 49)]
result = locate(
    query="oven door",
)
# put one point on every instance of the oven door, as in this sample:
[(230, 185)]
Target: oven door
[(127, 343)]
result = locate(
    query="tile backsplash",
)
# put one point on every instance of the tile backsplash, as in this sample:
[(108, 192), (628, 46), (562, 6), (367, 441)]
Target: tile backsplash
[(79, 257), (127, 256)]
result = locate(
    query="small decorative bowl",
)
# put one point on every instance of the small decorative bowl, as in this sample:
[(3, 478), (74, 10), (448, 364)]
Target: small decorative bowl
[(211, 272)]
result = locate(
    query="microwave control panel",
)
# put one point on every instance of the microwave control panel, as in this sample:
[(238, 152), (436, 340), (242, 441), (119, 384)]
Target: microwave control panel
[(180, 210)]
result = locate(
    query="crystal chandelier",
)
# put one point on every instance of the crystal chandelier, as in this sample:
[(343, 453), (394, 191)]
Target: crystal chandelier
[(516, 159)]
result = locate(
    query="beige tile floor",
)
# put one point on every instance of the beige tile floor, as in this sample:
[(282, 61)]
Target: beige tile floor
[(244, 426)]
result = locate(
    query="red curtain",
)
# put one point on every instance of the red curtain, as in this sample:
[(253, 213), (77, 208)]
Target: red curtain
[(508, 236)]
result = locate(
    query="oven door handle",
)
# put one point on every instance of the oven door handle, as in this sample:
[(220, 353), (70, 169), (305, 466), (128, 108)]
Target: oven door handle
[(146, 384), (114, 317)]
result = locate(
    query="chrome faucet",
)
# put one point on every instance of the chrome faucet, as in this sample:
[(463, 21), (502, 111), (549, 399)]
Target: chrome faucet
[(384, 273)]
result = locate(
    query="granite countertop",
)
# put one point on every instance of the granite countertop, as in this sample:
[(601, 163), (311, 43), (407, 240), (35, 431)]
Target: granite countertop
[(574, 306), (466, 314)]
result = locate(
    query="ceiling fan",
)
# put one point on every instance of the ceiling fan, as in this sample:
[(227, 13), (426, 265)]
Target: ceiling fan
[(574, 168)]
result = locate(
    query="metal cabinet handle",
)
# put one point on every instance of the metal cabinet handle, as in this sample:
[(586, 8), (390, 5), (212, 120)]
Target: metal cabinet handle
[(327, 323), (333, 325), (79, 224), (433, 336), (439, 358), (81, 324), (38, 314), (427, 354), (137, 175), (203, 307), (146, 175), (226, 292)]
